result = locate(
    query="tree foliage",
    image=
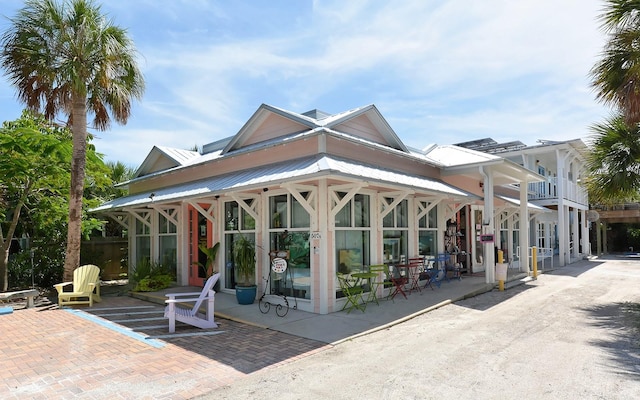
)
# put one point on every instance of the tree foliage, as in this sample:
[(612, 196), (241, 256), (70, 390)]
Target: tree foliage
[(616, 77), (65, 57), (34, 157), (614, 162)]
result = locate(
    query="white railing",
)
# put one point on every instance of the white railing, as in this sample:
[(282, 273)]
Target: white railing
[(549, 190), (542, 254)]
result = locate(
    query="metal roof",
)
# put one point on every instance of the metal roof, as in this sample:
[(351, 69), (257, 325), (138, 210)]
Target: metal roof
[(532, 207), (305, 168)]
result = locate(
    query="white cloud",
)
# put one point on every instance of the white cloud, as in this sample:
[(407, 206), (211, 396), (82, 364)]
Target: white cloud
[(461, 69)]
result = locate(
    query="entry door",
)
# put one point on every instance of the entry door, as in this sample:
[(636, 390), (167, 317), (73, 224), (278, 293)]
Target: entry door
[(199, 232)]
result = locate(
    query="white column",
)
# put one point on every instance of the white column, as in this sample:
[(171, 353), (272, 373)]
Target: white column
[(488, 227), (524, 228), (584, 225), (598, 238), (563, 220), (326, 297), (575, 231)]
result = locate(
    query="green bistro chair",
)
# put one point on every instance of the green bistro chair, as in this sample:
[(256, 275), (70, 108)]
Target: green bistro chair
[(352, 293), (382, 281)]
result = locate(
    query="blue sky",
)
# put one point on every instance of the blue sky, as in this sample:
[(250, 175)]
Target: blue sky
[(439, 71)]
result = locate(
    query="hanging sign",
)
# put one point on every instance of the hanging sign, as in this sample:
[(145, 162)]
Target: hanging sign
[(278, 265), (486, 238)]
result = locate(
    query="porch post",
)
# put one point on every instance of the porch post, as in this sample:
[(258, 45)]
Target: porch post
[(598, 238), (563, 220), (326, 298), (488, 227), (575, 234), (524, 227)]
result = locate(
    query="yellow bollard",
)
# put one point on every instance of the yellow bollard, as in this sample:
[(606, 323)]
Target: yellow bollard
[(500, 260), (534, 261)]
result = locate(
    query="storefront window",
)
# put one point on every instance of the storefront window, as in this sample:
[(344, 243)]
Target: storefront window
[(352, 243), (289, 232), (237, 221), (395, 240), (428, 232)]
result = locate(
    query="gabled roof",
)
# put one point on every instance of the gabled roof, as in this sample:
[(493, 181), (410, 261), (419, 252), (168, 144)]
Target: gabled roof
[(161, 158), (315, 119)]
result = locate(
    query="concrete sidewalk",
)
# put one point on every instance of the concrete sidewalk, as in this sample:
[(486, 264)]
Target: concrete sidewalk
[(339, 326)]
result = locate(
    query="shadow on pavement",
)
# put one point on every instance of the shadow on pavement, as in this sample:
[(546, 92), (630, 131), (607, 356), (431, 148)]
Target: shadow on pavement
[(623, 320), (243, 347)]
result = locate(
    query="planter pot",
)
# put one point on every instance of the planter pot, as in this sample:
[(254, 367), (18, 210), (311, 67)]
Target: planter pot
[(246, 294)]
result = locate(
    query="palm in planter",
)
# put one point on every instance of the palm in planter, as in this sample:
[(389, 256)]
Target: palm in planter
[(208, 266), (244, 257)]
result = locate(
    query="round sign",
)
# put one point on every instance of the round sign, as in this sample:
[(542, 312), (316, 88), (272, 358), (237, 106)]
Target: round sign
[(279, 265)]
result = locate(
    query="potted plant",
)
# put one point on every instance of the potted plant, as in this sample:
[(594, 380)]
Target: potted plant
[(210, 253), (244, 257)]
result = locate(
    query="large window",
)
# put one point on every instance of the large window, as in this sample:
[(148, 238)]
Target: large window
[(428, 232), (352, 236), (237, 221), (289, 232), (395, 233)]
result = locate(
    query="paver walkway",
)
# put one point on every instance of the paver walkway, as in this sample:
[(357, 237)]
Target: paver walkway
[(51, 353)]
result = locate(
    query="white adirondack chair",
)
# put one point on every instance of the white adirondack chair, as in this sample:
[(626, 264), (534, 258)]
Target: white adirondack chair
[(176, 309)]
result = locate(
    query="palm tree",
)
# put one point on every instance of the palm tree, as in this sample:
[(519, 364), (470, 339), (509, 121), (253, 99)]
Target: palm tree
[(616, 77), (614, 162), (67, 58)]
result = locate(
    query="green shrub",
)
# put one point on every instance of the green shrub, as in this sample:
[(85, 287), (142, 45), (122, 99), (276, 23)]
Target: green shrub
[(150, 276), (158, 282), (48, 268)]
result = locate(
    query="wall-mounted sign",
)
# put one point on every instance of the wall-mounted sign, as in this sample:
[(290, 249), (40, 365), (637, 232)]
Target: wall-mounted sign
[(316, 235), (486, 238)]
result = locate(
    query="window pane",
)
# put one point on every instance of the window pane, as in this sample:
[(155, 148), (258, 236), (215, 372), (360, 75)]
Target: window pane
[(278, 211), (168, 249), (248, 222), (402, 218), (427, 241), (295, 280), (143, 248), (343, 217), (423, 222), (231, 215), (361, 205), (299, 216), (142, 229), (352, 253), (433, 217), (395, 245), (388, 220)]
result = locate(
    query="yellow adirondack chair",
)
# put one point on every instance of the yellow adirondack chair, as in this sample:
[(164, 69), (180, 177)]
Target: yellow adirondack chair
[(86, 287)]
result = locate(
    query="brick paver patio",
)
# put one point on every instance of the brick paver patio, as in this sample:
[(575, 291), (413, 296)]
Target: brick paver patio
[(51, 353)]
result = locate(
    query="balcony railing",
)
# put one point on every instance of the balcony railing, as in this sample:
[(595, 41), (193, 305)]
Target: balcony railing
[(548, 190)]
